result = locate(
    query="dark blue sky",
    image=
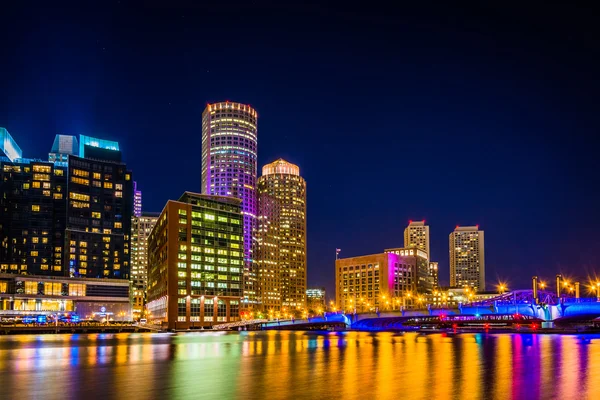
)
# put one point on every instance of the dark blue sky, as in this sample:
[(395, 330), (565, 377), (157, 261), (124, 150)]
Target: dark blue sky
[(477, 115)]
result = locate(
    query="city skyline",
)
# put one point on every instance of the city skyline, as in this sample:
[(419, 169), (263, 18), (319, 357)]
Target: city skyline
[(462, 108)]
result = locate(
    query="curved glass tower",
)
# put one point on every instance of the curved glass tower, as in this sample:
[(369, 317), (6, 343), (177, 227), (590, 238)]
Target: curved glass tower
[(229, 168)]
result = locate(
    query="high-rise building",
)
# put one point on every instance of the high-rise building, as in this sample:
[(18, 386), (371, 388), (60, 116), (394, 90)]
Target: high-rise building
[(377, 281), (8, 147), (32, 217), (141, 226), (416, 234), (281, 237), (434, 274), (195, 262), (63, 147), (137, 201), (99, 210), (229, 168), (467, 258)]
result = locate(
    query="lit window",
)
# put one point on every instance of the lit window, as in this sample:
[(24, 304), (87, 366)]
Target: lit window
[(35, 208), (108, 185)]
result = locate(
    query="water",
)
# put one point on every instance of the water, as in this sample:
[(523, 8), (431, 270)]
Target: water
[(299, 365)]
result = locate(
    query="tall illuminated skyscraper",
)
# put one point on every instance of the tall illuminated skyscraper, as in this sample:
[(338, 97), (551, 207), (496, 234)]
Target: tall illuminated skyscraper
[(416, 235), (281, 237), (467, 258), (229, 168)]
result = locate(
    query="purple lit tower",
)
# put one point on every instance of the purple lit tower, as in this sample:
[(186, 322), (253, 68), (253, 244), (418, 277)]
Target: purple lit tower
[(137, 201), (229, 168)]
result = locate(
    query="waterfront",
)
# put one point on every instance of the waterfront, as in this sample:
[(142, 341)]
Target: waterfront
[(278, 365)]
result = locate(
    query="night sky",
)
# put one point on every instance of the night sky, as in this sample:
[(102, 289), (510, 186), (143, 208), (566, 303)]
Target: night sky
[(475, 115)]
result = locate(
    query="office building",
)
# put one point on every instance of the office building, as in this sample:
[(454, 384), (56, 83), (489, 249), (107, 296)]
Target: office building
[(42, 296), (195, 262), (99, 211), (434, 274), (416, 234), (140, 232), (32, 217), (8, 147), (315, 300), (63, 147), (467, 258), (383, 281), (418, 258), (281, 237), (137, 201)]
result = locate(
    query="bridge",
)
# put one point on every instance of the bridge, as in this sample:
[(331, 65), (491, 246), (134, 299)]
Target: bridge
[(512, 308)]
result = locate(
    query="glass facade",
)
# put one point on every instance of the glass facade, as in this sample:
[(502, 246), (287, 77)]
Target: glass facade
[(99, 210), (8, 147), (32, 217)]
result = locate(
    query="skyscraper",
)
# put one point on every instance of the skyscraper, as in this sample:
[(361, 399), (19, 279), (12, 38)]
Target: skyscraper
[(137, 201), (416, 235), (141, 226), (229, 168), (281, 236), (99, 210), (467, 258)]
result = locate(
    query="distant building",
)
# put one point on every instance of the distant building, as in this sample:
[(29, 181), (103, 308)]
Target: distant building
[(195, 262), (8, 147), (467, 258), (32, 217), (418, 258), (315, 299), (137, 201), (140, 232), (280, 250), (378, 281), (34, 295), (416, 234), (434, 274), (63, 147), (229, 168)]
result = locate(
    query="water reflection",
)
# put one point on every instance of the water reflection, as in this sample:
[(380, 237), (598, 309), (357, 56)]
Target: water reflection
[(278, 365)]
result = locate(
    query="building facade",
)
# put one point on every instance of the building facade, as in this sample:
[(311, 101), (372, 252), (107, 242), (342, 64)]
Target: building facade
[(316, 300), (434, 274), (383, 281), (416, 234), (418, 258), (32, 217), (195, 262), (281, 237), (137, 201), (140, 232), (89, 299), (229, 168), (99, 209), (467, 258)]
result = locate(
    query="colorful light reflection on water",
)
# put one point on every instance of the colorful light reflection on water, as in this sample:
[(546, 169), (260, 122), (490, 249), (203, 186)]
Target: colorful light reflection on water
[(279, 365)]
